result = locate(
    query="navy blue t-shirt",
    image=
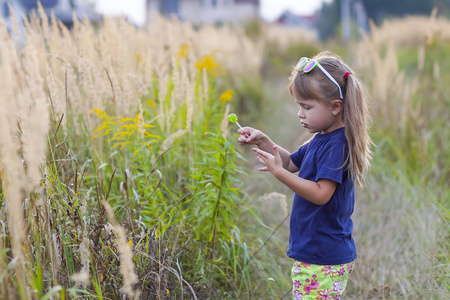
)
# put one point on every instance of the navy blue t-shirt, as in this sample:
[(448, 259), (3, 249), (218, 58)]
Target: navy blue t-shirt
[(322, 234)]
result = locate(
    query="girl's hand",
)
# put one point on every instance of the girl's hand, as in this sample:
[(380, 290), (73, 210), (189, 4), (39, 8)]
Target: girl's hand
[(250, 136), (272, 163)]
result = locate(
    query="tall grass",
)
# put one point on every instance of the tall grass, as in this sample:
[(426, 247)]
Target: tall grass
[(407, 76), (107, 188)]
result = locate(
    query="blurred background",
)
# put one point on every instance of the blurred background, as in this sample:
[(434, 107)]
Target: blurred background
[(321, 15)]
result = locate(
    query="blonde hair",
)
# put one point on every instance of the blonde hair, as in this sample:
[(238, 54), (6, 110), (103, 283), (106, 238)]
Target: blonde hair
[(316, 85)]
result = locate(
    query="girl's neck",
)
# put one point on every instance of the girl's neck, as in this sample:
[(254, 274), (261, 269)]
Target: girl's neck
[(338, 124)]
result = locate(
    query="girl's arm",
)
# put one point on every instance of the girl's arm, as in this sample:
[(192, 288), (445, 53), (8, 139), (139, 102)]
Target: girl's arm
[(319, 192), (251, 136)]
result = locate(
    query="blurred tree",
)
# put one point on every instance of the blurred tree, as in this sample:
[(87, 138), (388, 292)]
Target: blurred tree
[(377, 10), (443, 7), (329, 19)]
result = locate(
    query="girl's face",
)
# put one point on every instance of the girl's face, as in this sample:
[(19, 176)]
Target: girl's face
[(320, 117)]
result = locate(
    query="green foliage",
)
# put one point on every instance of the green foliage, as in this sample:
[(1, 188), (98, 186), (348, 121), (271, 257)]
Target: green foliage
[(381, 9), (254, 29), (215, 196), (330, 15), (418, 146), (281, 61), (377, 10), (410, 169), (249, 99)]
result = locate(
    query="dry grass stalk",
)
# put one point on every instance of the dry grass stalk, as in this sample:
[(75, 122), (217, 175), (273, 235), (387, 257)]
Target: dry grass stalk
[(224, 125), (413, 30), (90, 97), (176, 95), (12, 167), (205, 88), (81, 278), (54, 96), (162, 82), (171, 138), (130, 278), (35, 124), (284, 36), (44, 24), (16, 32), (141, 120), (391, 93), (189, 93), (272, 203), (4, 282)]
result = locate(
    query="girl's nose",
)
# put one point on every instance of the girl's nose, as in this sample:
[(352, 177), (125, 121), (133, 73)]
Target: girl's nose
[(300, 114)]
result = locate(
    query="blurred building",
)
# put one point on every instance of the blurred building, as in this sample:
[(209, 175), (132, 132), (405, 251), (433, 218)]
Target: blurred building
[(205, 11), (290, 19), (63, 10)]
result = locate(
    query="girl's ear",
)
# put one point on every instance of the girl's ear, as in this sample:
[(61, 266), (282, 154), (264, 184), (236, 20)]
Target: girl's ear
[(337, 107)]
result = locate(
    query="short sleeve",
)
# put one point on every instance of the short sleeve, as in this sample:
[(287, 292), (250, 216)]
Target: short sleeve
[(297, 156), (330, 163)]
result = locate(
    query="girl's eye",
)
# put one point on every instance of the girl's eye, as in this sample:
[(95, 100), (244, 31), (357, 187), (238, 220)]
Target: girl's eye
[(305, 107)]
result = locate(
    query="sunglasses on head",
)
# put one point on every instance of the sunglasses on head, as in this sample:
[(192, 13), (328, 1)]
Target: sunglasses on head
[(307, 65)]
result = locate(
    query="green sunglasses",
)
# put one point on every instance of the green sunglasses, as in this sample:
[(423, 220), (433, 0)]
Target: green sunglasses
[(308, 64)]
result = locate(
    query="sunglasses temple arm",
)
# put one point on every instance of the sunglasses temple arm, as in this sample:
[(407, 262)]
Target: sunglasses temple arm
[(332, 79)]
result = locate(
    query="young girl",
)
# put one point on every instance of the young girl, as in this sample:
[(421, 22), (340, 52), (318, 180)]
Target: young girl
[(332, 106)]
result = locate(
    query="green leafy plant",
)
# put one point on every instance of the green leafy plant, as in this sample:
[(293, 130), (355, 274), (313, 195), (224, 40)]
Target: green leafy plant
[(215, 195)]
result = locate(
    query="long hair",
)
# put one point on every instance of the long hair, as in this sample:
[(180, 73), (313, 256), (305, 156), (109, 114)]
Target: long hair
[(316, 85)]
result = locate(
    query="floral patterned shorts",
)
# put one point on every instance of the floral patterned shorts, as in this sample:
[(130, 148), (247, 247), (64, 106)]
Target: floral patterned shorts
[(320, 282)]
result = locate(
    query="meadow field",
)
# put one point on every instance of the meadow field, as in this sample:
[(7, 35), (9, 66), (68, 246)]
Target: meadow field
[(121, 177)]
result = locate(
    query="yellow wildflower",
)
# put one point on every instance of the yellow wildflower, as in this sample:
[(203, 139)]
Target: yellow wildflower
[(209, 63), (124, 131), (227, 96), (151, 103), (183, 52), (100, 113), (139, 58)]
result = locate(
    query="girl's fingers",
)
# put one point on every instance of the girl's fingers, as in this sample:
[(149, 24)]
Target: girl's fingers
[(275, 149), (248, 135), (245, 139), (259, 152), (261, 159), (244, 131)]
